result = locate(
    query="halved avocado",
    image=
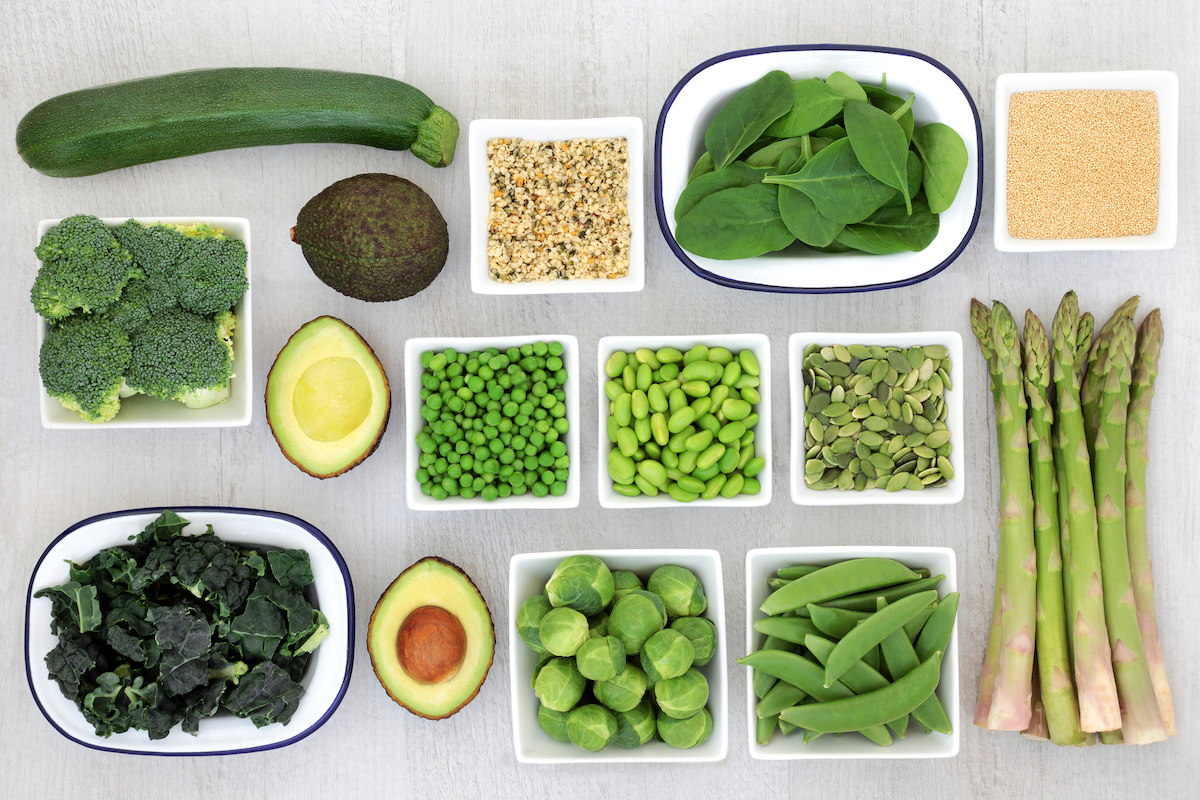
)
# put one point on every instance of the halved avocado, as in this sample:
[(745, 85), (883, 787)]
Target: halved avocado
[(328, 399), (431, 639)]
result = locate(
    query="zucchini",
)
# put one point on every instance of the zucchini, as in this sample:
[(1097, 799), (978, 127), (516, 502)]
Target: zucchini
[(185, 113)]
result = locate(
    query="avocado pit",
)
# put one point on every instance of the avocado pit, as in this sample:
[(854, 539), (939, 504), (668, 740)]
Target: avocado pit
[(431, 645)]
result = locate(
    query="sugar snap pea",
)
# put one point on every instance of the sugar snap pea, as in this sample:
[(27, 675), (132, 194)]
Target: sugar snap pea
[(796, 571), (763, 681), (901, 659), (764, 728), (936, 633), (913, 627), (798, 671), (860, 678), (865, 601), (837, 580), (789, 629), (873, 630), (835, 622), (782, 695)]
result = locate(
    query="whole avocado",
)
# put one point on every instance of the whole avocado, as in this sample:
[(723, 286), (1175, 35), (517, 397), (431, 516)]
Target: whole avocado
[(376, 237)]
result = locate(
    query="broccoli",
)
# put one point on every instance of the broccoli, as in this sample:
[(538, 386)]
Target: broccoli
[(82, 362), (178, 355), (210, 275), (83, 267)]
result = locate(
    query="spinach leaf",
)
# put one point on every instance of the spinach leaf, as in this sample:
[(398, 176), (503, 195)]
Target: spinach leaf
[(915, 173), (743, 119), (891, 230), (944, 157), (769, 155), (791, 161), (704, 165), (880, 145), (184, 637), (890, 103), (846, 86), (739, 222), (813, 104), (736, 174), (840, 186), (267, 694), (830, 132), (835, 247), (803, 220)]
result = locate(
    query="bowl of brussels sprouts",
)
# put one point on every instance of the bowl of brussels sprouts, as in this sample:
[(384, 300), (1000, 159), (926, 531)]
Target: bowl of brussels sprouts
[(617, 656)]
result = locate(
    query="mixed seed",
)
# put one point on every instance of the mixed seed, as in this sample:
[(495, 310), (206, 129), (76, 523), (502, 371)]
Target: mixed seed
[(876, 417)]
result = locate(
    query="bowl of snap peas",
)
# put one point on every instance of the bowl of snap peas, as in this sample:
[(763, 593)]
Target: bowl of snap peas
[(765, 569), (684, 421)]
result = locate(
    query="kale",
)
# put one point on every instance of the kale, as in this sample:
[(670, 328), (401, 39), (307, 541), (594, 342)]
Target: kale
[(173, 628)]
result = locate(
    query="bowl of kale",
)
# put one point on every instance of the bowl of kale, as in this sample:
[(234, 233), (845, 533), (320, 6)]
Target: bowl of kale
[(194, 631)]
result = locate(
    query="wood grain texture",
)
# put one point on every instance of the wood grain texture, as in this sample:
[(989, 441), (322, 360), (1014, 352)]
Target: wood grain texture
[(576, 58)]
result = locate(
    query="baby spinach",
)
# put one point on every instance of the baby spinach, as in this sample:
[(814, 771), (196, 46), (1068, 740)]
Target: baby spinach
[(846, 86), (813, 105), (944, 157), (736, 174), (890, 103), (803, 219), (734, 223), (703, 166), (891, 230), (879, 144), (839, 185), (743, 119), (769, 155), (830, 132)]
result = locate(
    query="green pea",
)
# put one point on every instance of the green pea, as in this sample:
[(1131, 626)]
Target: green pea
[(749, 362), (615, 364), (713, 487), (645, 486), (720, 355), (627, 442), (652, 471), (627, 490), (733, 486), (655, 398), (642, 428), (690, 484), (658, 428), (733, 371), (629, 378), (731, 431), (680, 494), (669, 355), (639, 404), (623, 410), (646, 356), (711, 455), (698, 441), (679, 420), (735, 409), (620, 467)]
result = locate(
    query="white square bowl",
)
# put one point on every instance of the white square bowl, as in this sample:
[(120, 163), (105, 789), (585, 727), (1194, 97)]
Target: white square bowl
[(761, 564), (325, 678), (1165, 86), (951, 493), (555, 130), (418, 501), (527, 576), (695, 100), (760, 345), (141, 411)]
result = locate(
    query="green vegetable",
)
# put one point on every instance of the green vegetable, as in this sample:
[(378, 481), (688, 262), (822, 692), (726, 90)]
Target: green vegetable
[(225, 629), (186, 113), (559, 685), (702, 633), (667, 654), (685, 733), (581, 582), (623, 692), (746, 116), (178, 355), (846, 86), (944, 161), (738, 222), (891, 230), (563, 631), (683, 696), (636, 726), (679, 589), (529, 621), (591, 727), (601, 658), (839, 185), (553, 722), (873, 630), (835, 581), (82, 363), (84, 268), (813, 104), (879, 144), (635, 618)]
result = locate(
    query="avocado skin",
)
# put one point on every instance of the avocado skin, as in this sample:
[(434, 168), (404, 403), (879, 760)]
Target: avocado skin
[(375, 237)]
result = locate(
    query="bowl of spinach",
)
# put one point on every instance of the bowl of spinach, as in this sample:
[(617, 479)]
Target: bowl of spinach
[(142, 628), (818, 168)]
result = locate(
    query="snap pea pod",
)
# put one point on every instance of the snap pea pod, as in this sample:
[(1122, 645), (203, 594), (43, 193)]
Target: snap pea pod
[(782, 695), (872, 658), (790, 629), (870, 709), (835, 622), (798, 671), (838, 580), (786, 727), (797, 571), (913, 627), (901, 659), (764, 681), (865, 601), (936, 633), (860, 678), (873, 631), (764, 728)]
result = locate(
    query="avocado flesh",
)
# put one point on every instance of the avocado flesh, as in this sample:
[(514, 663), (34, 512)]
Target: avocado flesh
[(440, 584), (328, 399), (375, 237)]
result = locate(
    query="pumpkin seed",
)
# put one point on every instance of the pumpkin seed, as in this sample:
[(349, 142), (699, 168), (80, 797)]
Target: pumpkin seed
[(945, 467), (827, 353), (879, 371), (897, 482), (841, 353), (914, 482), (898, 361), (937, 438), (837, 368), (859, 352)]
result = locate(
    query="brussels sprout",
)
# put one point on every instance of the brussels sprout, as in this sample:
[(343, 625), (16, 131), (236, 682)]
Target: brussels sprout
[(623, 692), (591, 727), (638, 616), (683, 696), (598, 625), (680, 591), (685, 733), (624, 581), (582, 583), (667, 654), (636, 726), (702, 633), (601, 659), (543, 660), (559, 685), (563, 631), (553, 722), (529, 620)]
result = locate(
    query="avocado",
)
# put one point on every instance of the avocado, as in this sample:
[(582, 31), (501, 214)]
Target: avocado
[(375, 237), (431, 639), (328, 399)]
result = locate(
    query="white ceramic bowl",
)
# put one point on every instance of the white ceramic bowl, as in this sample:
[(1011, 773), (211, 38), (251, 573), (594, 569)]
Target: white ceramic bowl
[(1165, 85), (761, 347), (762, 564), (695, 100), (325, 678), (417, 501), (141, 411), (555, 130), (951, 493), (527, 576)]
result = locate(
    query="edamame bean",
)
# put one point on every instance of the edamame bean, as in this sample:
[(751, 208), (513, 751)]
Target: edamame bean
[(731, 373), (751, 486), (697, 353), (701, 371), (643, 377), (706, 474), (653, 471), (701, 406), (744, 457), (668, 372), (720, 355), (658, 427), (750, 421), (615, 364), (627, 442), (678, 420), (754, 466), (646, 356), (629, 378), (623, 410), (748, 361), (669, 355), (698, 441), (690, 484), (676, 443), (670, 459), (732, 431), (656, 398), (736, 410), (687, 461), (639, 404), (613, 427), (676, 400), (719, 394), (620, 467), (713, 487), (642, 428), (629, 490), (727, 463), (646, 487), (711, 455), (751, 396), (746, 382), (708, 422), (681, 495), (733, 486)]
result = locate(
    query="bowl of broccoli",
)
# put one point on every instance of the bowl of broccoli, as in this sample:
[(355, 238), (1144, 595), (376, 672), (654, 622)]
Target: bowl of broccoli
[(144, 322)]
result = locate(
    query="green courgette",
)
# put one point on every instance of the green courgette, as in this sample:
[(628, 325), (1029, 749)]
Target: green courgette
[(186, 113)]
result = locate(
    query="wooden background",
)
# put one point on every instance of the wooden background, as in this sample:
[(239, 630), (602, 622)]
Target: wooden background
[(571, 58)]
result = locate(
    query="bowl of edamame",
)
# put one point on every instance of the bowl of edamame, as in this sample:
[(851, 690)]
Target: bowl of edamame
[(684, 420), (818, 168), (492, 422), (919, 585), (877, 418)]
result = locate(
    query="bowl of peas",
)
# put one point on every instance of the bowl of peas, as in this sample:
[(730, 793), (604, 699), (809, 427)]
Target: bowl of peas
[(684, 420), (492, 422)]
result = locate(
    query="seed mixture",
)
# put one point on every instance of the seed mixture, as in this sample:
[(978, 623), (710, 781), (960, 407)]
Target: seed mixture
[(558, 210), (1082, 163)]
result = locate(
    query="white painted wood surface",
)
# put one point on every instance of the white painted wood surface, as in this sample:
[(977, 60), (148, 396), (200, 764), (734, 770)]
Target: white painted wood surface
[(563, 59)]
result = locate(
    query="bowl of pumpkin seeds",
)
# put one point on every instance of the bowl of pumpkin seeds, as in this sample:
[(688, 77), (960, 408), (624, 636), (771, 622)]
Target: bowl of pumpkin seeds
[(877, 418)]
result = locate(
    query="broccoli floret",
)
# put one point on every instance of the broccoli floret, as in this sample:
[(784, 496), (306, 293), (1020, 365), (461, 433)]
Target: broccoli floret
[(82, 362), (83, 268), (178, 355), (210, 275)]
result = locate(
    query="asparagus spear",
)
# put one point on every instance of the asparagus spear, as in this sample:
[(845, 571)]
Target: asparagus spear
[(1098, 365), (1057, 690), (1149, 343), (1038, 730), (1099, 709), (981, 325), (1141, 721), (1018, 617)]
